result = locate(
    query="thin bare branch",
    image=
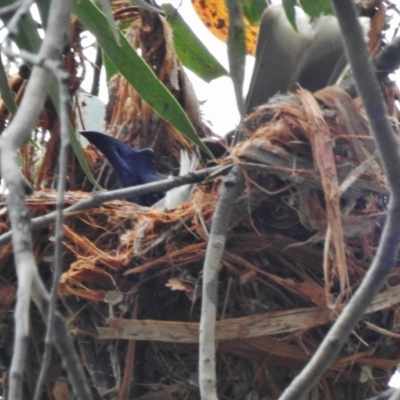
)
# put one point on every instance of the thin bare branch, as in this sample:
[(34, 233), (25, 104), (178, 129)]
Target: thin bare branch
[(101, 197), (10, 9), (63, 342), (18, 132), (94, 91), (207, 372), (19, 15), (395, 395), (237, 50), (62, 79)]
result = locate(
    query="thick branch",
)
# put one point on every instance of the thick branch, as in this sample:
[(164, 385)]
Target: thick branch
[(62, 79), (207, 373), (18, 132)]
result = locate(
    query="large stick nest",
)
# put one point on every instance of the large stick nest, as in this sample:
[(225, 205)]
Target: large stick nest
[(303, 235)]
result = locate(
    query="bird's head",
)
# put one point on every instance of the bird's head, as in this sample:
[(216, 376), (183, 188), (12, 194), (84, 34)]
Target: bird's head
[(133, 167)]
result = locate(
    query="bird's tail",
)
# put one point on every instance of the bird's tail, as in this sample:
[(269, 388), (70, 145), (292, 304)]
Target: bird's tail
[(181, 194)]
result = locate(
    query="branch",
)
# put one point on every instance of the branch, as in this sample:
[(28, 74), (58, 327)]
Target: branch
[(384, 395), (101, 197), (62, 79), (394, 395), (63, 342), (10, 9), (236, 51), (215, 248), (385, 258), (94, 91)]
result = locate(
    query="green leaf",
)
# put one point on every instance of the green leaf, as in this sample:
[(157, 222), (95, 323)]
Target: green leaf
[(145, 6), (110, 68), (236, 50), (253, 9), (105, 6), (5, 91), (288, 6), (135, 70), (314, 8), (190, 50)]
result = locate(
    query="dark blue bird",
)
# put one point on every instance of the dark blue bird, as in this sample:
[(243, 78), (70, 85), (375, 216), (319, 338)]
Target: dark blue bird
[(133, 167)]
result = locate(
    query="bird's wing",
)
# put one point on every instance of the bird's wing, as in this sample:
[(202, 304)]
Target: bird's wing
[(279, 51), (313, 57), (324, 60)]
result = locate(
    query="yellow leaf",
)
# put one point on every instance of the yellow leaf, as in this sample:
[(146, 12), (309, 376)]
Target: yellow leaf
[(214, 15)]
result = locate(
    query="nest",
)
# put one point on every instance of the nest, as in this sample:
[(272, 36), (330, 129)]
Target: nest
[(303, 234)]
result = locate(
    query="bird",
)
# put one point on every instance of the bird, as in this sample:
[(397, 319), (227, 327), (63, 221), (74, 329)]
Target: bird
[(313, 57), (133, 167), (180, 194), (137, 167)]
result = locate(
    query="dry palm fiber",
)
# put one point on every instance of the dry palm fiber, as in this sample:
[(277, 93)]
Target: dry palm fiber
[(304, 232)]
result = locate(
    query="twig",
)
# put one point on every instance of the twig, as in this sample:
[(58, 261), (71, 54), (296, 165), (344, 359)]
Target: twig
[(207, 373), (384, 395), (393, 396), (62, 79), (10, 9), (129, 360), (385, 258), (101, 197), (19, 15), (236, 51), (94, 91), (63, 342)]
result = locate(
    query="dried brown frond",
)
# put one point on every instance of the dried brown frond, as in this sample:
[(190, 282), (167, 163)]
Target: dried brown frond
[(304, 233)]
